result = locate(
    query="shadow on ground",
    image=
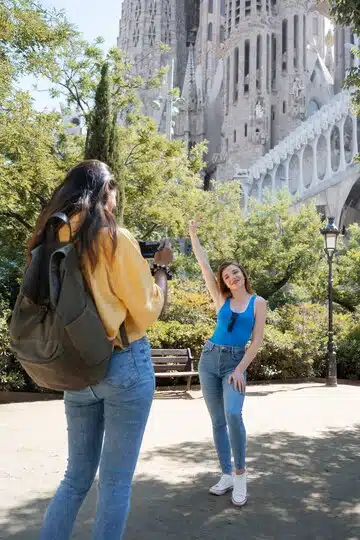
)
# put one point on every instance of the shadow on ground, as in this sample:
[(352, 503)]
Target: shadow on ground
[(300, 488)]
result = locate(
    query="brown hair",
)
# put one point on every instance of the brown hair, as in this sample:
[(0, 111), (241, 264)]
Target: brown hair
[(85, 191), (224, 289)]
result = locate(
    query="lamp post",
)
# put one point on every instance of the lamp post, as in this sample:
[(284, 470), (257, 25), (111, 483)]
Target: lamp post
[(330, 233)]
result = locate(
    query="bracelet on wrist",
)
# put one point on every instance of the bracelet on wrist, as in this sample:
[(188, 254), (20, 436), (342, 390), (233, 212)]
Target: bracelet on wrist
[(164, 267)]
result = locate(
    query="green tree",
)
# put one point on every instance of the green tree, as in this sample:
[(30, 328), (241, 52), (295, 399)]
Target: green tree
[(276, 245), (34, 155), (30, 35), (100, 126)]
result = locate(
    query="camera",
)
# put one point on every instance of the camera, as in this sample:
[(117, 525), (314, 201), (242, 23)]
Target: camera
[(149, 248)]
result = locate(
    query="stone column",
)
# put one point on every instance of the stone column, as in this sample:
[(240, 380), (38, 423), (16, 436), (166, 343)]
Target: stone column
[(301, 43), (252, 64), (301, 172), (305, 40), (263, 64), (315, 179), (329, 170), (290, 44), (286, 167), (342, 165), (354, 137), (339, 58)]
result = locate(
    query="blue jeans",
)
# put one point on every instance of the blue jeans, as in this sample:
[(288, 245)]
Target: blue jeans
[(224, 403), (106, 424)]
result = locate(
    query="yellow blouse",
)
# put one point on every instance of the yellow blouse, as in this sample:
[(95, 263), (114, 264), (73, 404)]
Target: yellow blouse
[(122, 286)]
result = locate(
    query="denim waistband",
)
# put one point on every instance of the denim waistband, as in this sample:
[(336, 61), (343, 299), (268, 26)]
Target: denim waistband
[(223, 348)]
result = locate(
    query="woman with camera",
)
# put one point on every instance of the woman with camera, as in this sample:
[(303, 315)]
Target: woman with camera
[(106, 422), (239, 332)]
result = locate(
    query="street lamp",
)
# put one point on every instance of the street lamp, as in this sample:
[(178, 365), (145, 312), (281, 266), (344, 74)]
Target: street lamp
[(330, 233)]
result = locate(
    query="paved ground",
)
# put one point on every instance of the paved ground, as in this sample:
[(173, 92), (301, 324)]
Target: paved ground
[(304, 469)]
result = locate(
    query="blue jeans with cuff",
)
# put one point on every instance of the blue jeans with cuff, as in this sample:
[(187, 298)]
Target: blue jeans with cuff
[(106, 424), (224, 403)]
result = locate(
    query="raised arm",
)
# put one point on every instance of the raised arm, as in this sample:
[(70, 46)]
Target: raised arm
[(206, 270)]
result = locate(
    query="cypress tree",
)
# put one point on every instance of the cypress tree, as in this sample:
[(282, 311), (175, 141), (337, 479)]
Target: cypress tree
[(100, 125), (116, 167)]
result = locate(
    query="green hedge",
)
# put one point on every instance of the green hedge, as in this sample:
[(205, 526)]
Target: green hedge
[(294, 343)]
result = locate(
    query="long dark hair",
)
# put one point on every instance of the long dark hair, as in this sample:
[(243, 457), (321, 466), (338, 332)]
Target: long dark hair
[(85, 191), (224, 289)]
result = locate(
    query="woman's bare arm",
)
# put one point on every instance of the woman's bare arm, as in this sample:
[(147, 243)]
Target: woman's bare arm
[(202, 258)]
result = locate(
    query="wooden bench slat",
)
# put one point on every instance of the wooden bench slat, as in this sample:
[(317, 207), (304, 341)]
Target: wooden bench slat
[(169, 352), (173, 363), (170, 360)]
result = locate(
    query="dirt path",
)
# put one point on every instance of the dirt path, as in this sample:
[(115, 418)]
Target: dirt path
[(303, 461)]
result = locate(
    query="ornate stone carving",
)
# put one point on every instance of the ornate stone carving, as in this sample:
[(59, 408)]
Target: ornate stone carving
[(259, 122), (297, 98), (330, 114)]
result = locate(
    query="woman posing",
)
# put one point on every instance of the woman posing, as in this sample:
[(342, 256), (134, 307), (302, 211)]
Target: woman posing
[(225, 357)]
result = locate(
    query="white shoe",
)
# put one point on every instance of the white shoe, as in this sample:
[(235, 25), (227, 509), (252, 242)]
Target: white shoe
[(225, 484), (239, 494)]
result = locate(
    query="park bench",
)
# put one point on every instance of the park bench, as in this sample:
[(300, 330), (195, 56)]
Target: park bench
[(173, 363)]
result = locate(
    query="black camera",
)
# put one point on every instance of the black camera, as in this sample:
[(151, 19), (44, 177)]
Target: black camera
[(149, 248)]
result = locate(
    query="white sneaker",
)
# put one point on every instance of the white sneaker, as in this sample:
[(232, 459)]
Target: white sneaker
[(239, 494), (225, 484)]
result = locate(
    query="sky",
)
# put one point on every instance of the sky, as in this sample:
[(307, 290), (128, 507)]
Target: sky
[(93, 18)]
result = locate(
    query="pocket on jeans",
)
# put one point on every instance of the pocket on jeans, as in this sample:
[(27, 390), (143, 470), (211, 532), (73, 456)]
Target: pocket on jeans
[(122, 371), (237, 356), (208, 347)]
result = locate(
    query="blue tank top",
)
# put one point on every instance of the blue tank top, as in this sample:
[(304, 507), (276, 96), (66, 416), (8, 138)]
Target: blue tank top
[(242, 329)]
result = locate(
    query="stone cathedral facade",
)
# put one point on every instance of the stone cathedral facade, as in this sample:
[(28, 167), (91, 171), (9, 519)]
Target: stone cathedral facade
[(249, 71)]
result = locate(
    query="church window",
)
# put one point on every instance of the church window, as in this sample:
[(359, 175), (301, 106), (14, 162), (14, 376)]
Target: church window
[(236, 74), (304, 42), (273, 62), (229, 16), (296, 41), (227, 85), (267, 63), (138, 11), (222, 33), (284, 45), (258, 62), (166, 32), (136, 35), (152, 34), (258, 5), (246, 66), (284, 107), (315, 26), (237, 12), (247, 8), (210, 32), (234, 135), (222, 8), (211, 6), (245, 130)]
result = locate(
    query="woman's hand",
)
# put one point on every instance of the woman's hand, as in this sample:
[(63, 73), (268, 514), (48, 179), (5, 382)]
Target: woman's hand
[(164, 256), (237, 377), (193, 224)]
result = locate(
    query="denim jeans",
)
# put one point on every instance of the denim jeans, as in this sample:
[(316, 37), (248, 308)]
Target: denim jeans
[(224, 403), (106, 424)]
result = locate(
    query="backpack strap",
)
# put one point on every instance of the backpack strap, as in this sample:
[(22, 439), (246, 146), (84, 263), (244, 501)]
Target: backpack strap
[(124, 337)]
